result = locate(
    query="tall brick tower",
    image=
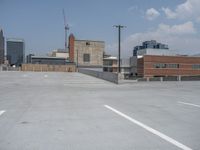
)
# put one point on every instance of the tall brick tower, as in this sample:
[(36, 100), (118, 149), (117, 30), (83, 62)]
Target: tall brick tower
[(71, 47)]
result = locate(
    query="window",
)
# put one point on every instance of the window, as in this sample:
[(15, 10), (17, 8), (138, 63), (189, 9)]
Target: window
[(87, 43), (196, 66), (172, 65), (108, 63), (86, 57), (166, 65), (160, 65)]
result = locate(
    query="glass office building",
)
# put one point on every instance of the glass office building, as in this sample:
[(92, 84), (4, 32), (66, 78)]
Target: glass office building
[(15, 51), (1, 47), (149, 45)]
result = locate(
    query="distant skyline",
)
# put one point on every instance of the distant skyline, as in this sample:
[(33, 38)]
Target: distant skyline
[(40, 23)]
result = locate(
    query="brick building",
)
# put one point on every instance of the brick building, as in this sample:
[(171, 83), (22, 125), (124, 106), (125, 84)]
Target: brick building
[(86, 53), (152, 66)]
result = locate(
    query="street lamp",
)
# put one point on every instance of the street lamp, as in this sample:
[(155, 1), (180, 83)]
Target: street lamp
[(119, 46)]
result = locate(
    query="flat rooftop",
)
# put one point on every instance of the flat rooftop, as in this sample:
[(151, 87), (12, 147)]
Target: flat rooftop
[(72, 111)]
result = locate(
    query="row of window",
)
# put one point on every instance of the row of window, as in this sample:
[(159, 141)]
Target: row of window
[(196, 66), (107, 62), (161, 65)]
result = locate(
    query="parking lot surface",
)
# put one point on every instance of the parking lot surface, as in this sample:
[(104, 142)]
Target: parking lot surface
[(72, 111)]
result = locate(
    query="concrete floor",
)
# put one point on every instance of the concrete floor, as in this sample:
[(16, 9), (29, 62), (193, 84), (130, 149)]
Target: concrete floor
[(65, 111)]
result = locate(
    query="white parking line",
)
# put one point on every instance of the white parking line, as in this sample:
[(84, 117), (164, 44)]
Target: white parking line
[(161, 135), (189, 104), (2, 111)]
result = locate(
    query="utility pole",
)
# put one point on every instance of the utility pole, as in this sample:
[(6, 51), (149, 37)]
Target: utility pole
[(119, 45)]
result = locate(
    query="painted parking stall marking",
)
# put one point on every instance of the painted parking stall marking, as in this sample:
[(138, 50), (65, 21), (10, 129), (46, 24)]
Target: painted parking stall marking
[(190, 104), (155, 132), (1, 112)]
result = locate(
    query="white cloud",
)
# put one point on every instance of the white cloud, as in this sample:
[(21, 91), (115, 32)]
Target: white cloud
[(186, 28), (170, 14), (188, 9), (152, 14), (180, 37)]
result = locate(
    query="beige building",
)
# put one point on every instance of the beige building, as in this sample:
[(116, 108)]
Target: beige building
[(86, 53), (60, 53)]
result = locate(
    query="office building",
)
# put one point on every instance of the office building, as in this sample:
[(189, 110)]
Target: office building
[(60, 53), (86, 53), (29, 58), (148, 48), (153, 48), (15, 51), (1, 47), (160, 66), (110, 64), (48, 60)]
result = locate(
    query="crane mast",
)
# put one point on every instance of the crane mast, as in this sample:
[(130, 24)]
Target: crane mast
[(66, 27)]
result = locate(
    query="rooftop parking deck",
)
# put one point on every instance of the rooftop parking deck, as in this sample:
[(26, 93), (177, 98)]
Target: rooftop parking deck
[(73, 111)]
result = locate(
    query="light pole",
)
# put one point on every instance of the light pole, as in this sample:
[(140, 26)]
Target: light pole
[(119, 45)]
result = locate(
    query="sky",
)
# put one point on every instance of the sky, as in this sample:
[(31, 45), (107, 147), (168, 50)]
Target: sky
[(40, 23)]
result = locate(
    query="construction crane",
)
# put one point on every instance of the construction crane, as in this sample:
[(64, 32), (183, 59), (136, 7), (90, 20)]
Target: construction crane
[(66, 29)]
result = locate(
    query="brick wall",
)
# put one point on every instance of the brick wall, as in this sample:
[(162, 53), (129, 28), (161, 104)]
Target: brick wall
[(146, 66), (71, 47)]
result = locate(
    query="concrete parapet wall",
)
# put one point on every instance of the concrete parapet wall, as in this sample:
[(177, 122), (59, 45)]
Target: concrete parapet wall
[(171, 78), (9, 68), (48, 68), (190, 78), (108, 76)]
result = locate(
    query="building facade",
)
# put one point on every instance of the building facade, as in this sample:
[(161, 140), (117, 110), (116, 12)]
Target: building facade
[(110, 64), (60, 53), (161, 52), (86, 53), (15, 51), (1, 47), (29, 58), (159, 66), (48, 60), (152, 46)]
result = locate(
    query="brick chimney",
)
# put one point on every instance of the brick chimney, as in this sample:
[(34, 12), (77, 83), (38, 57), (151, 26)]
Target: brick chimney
[(71, 47)]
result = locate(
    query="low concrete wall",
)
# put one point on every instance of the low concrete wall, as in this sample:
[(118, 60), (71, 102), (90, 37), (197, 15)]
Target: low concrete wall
[(155, 79), (9, 68), (190, 78), (171, 78), (48, 68), (108, 76)]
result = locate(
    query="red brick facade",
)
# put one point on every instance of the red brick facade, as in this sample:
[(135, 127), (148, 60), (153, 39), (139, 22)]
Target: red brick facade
[(150, 66), (71, 47)]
